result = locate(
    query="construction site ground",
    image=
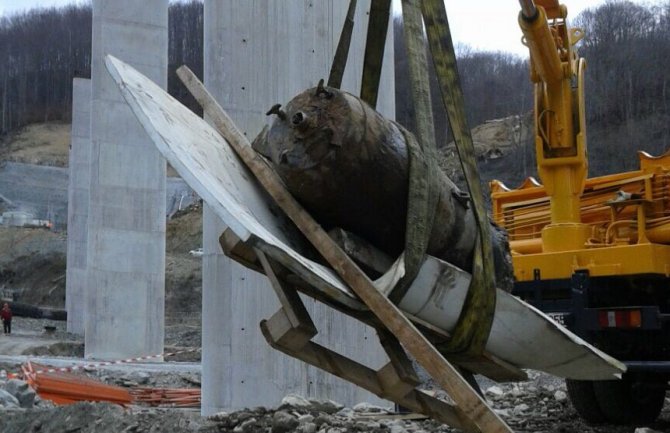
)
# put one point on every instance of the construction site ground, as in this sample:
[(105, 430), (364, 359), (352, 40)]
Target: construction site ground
[(32, 270)]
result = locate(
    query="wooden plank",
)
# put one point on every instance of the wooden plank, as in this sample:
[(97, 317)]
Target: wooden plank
[(239, 251), (288, 298), (414, 342), (398, 377), (286, 334)]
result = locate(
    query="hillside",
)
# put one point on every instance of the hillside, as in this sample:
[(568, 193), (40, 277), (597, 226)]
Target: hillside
[(39, 143), (33, 261)]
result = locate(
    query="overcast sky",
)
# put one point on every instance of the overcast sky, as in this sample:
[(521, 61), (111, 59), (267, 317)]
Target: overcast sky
[(482, 24)]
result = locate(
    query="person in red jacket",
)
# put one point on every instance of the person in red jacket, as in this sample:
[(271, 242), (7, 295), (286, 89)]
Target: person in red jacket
[(6, 316)]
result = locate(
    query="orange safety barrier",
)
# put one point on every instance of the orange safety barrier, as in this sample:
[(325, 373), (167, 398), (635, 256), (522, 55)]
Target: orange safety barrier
[(67, 388), (172, 397)]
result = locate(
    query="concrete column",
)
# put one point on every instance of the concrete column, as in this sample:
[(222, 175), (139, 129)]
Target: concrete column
[(258, 54), (126, 242), (77, 203)]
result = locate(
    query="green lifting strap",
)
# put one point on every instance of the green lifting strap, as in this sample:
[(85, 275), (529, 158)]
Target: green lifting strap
[(374, 50), (474, 323), (423, 189)]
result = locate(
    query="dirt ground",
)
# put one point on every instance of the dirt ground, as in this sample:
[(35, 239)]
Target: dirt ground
[(40, 143)]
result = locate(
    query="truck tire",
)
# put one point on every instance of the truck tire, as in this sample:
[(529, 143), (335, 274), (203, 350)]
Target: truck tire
[(627, 401), (583, 399)]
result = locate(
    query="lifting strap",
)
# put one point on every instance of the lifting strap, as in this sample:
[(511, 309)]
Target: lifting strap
[(474, 323), (374, 50), (342, 51), (423, 188)]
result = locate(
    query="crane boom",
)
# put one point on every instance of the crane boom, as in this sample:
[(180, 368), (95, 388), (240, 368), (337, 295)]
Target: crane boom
[(560, 138)]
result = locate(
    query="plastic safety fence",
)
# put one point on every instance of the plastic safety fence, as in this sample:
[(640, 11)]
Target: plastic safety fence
[(167, 397), (67, 388)]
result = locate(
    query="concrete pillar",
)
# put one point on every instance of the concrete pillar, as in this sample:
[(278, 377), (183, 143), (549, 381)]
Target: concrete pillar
[(77, 204), (126, 242), (258, 54)]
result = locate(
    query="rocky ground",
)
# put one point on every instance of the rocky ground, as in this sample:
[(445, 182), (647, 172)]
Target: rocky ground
[(539, 406)]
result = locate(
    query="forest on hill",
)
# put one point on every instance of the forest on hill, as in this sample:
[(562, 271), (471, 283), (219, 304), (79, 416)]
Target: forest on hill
[(627, 47)]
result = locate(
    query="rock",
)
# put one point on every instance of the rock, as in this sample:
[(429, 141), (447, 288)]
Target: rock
[(283, 422), (303, 419), (308, 427), (495, 391), (296, 400), (367, 426), (502, 412), (369, 408), (219, 416), (248, 426), (7, 399), (520, 409), (142, 377), (398, 428), (560, 396), (22, 391), (327, 406), (549, 388), (323, 420), (516, 392), (345, 412)]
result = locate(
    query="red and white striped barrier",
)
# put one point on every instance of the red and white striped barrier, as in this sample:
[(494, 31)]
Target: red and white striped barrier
[(94, 365)]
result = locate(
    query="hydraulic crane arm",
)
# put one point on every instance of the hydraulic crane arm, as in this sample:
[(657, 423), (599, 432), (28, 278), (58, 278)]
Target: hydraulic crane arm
[(560, 138)]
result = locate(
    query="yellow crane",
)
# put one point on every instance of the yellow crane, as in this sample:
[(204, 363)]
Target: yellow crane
[(595, 253)]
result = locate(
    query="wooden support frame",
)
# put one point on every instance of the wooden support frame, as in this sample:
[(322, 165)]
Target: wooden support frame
[(471, 412), (290, 331)]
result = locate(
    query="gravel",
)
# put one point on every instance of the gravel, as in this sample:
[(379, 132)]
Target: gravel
[(537, 406)]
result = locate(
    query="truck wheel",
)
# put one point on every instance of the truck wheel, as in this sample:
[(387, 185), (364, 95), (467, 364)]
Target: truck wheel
[(628, 401), (583, 399)]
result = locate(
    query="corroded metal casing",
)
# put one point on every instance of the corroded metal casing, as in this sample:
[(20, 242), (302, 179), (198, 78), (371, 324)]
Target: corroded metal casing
[(348, 166)]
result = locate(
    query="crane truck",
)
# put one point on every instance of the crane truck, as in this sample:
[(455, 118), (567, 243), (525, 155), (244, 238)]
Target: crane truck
[(594, 253)]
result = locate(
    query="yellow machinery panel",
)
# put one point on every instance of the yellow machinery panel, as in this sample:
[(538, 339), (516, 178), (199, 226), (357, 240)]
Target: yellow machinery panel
[(627, 216)]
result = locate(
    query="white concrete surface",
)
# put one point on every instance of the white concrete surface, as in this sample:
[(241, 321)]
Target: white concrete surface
[(77, 219), (258, 54), (126, 242)]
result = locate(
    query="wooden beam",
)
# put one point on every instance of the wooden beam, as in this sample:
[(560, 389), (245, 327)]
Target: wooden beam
[(477, 415), (398, 377), (237, 250), (288, 298)]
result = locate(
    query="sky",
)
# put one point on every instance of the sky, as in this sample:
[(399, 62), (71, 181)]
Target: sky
[(481, 24), (491, 25)]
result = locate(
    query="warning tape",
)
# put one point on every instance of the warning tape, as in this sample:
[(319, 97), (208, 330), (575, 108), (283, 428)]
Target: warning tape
[(94, 365)]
